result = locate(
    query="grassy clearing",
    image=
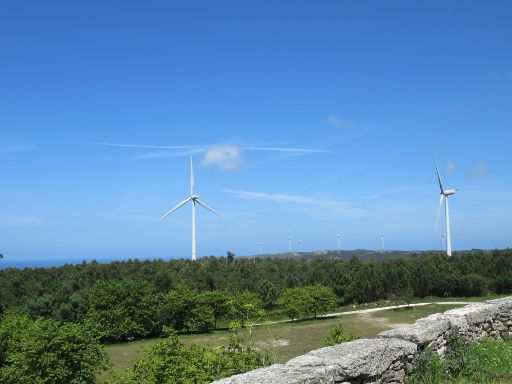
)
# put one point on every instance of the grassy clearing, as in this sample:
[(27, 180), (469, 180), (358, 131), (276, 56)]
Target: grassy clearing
[(289, 339), (279, 314)]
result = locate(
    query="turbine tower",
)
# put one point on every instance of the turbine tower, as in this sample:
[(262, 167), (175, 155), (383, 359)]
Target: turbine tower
[(300, 245), (444, 196), (339, 241), (194, 199), (290, 238), (259, 246)]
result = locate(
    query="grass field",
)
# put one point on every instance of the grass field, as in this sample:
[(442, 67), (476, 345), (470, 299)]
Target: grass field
[(289, 339)]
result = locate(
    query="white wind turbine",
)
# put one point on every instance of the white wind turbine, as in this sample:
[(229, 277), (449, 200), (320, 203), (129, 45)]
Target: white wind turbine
[(339, 241), (443, 240), (300, 245), (194, 199), (382, 241), (444, 195), (290, 238), (259, 246)]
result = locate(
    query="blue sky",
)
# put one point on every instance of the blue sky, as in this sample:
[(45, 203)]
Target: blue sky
[(380, 87)]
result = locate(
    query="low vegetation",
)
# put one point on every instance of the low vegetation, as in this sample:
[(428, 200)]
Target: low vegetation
[(487, 362), (339, 336)]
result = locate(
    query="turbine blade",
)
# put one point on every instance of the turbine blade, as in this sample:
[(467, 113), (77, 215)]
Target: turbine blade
[(438, 213), (207, 207), (176, 207), (439, 178), (191, 177)]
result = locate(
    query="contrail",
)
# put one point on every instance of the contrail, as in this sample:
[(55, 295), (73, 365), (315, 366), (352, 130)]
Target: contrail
[(202, 148)]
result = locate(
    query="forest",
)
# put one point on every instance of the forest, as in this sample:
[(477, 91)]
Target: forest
[(77, 293)]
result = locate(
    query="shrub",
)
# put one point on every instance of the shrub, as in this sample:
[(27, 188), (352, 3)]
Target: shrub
[(339, 336)]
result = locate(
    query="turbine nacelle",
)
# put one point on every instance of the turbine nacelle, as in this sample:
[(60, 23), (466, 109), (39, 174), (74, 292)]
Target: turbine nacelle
[(194, 197), (449, 192)]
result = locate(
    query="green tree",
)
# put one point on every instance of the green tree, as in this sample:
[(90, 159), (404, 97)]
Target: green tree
[(201, 317), (230, 256), (293, 301), (319, 300), (219, 303), (123, 309), (245, 305), (46, 352), (268, 293), (178, 307)]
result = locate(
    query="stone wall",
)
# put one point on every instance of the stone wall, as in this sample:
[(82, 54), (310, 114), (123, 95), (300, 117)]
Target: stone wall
[(390, 356)]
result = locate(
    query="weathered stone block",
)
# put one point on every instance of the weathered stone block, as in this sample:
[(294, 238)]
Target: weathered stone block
[(473, 314), (421, 332)]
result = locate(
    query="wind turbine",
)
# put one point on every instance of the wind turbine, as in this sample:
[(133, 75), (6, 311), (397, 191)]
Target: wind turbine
[(382, 241), (290, 238), (300, 245), (443, 240), (194, 199), (259, 246), (339, 241), (444, 195)]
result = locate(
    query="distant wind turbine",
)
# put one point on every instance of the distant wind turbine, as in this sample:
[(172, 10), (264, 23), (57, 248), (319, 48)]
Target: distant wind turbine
[(194, 199), (444, 195), (300, 245), (290, 238), (382, 241), (339, 241), (443, 241), (259, 246)]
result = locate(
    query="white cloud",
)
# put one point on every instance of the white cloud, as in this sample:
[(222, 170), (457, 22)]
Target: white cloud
[(21, 221), (479, 171), (226, 157), (336, 121)]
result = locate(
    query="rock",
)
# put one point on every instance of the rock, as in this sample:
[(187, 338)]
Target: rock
[(360, 358), (473, 314), (421, 332), (364, 357), (393, 377), (441, 351)]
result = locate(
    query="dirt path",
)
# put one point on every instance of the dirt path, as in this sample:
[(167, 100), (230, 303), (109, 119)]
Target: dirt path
[(372, 310)]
